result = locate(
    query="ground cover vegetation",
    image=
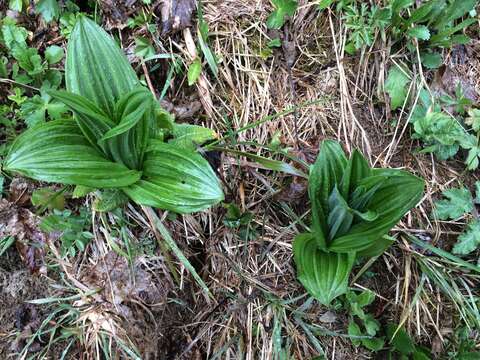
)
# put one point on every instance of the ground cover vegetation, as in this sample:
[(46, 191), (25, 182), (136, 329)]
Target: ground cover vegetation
[(239, 180)]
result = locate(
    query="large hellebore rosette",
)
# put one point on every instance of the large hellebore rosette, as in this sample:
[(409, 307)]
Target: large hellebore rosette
[(119, 136), (353, 208)]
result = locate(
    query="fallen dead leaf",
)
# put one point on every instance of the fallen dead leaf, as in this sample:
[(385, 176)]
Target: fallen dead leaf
[(24, 226), (121, 283)]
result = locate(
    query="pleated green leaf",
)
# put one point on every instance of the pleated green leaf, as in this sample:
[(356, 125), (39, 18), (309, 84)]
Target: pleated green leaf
[(395, 196), (92, 120), (175, 179), (325, 173), (357, 169), (96, 67), (134, 116), (57, 151), (323, 274)]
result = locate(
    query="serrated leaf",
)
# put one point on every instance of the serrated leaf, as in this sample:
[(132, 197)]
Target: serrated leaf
[(431, 60), (28, 60), (194, 71), (283, 8), (420, 32), (175, 179), (371, 325), (396, 86), (457, 203), (365, 298), (49, 9), (473, 119), (324, 275), (56, 151), (54, 54), (469, 241), (96, 67)]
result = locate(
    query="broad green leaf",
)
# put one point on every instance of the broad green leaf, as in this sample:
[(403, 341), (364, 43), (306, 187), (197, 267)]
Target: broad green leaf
[(371, 325), (457, 203), (143, 47), (190, 136), (377, 247), (283, 8), (194, 71), (49, 9), (325, 174), (365, 298), (420, 32), (134, 115), (175, 179), (396, 86), (340, 216), (324, 275), (398, 193), (54, 54), (57, 151), (126, 123), (469, 241), (357, 169), (96, 67)]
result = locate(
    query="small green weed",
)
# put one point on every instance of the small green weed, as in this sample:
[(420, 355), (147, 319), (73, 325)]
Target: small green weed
[(459, 203), (74, 229)]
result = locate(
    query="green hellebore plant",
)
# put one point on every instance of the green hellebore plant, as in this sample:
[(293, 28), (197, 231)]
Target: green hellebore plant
[(353, 208), (116, 138)]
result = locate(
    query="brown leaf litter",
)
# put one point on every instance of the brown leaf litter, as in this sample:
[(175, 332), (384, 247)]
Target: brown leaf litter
[(21, 223)]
